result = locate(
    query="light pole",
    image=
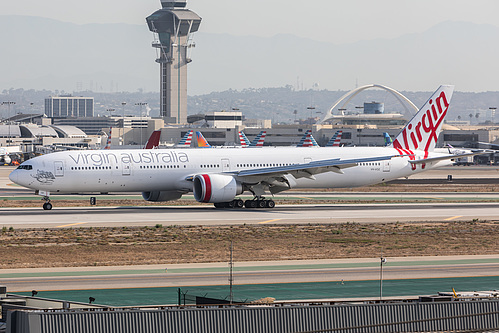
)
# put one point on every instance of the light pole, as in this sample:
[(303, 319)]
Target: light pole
[(231, 276), (141, 104), (311, 108), (235, 117), (122, 136), (8, 103), (382, 261), (110, 110)]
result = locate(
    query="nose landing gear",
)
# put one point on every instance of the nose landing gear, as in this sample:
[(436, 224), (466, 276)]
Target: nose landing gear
[(47, 205)]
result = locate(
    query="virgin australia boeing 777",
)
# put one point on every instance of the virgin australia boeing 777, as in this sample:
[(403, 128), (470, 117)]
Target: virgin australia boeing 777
[(219, 175)]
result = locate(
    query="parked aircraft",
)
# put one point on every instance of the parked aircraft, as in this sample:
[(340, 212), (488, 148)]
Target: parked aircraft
[(202, 142), (4, 156), (307, 140), (220, 175), (257, 141), (388, 139), (335, 140)]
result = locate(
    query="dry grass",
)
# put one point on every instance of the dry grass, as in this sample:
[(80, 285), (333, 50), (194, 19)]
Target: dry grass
[(166, 245)]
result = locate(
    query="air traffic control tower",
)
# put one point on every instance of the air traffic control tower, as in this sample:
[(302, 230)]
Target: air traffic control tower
[(172, 27)]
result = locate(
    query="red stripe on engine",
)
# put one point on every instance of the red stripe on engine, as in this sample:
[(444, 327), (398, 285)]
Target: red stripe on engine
[(207, 188)]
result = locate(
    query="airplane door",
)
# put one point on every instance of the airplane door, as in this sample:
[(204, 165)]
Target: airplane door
[(225, 164), (386, 165), (126, 167), (59, 168)]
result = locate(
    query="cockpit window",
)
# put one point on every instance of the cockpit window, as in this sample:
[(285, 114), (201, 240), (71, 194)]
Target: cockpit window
[(25, 167)]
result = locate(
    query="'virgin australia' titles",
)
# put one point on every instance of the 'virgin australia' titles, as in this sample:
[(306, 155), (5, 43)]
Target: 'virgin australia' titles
[(147, 157)]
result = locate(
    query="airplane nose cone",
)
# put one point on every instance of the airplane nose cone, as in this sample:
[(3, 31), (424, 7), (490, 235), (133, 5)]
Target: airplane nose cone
[(13, 176)]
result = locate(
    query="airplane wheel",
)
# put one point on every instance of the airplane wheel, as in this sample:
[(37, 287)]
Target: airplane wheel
[(262, 203), (238, 203), (47, 206), (230, 204), (250, 204), (270, 204)]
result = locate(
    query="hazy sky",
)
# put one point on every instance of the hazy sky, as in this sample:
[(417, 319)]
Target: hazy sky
[(325, 20)]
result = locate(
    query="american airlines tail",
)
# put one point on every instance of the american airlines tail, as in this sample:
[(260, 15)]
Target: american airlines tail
[(421, 133), (307, 140), (202, 143), (108, 143), (243, 140), (259, 140), (335, 140), (186, 140)]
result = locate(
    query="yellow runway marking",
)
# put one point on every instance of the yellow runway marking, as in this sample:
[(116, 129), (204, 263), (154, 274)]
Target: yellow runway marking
[(453, 218), (69, 225), (269, 221)]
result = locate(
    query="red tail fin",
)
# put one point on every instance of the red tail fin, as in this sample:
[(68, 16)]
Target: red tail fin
[(153, 141)]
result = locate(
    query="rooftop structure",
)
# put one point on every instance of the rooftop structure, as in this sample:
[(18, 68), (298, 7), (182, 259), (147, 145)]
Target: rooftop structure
[(172, 26), (69, 106)]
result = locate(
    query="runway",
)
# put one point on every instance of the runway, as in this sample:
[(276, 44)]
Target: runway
[(248, 273), (206, 215)]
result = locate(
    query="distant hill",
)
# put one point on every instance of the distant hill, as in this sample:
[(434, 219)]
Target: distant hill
[(42, 53)]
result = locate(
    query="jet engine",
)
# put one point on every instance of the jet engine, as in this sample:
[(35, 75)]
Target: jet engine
[(216, 188), (5, 159), (161, 195)]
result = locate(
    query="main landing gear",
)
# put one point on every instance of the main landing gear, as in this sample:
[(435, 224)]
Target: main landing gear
[(254, 203), (47, 205)]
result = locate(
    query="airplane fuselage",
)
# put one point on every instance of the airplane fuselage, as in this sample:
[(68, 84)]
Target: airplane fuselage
[(173, 169)]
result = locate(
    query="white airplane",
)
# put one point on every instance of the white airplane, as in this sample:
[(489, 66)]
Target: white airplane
[(6, 152), (219, 175), (4, 156)]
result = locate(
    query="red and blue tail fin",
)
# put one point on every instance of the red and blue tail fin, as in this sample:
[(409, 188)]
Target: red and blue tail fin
[(108, 142), (186, 140), (335, 140), (259, 140), (243, 140)]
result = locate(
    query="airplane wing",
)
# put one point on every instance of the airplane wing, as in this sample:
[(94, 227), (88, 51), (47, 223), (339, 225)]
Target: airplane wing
[(311, 168)]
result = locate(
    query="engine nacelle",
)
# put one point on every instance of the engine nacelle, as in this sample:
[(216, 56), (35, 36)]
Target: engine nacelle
[(161, 195), (5, 159), (215, 188)]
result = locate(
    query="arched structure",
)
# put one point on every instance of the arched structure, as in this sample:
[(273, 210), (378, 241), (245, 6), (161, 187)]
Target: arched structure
[(348, 97)]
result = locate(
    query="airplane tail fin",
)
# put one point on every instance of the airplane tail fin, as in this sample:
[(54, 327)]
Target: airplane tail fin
[(153, 141), (243, 140), (202, 143), (108, 143), (186, 140), (388, 139), (335, 140), (303, 138), (307, 140), (421, 132), (259, 140)]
